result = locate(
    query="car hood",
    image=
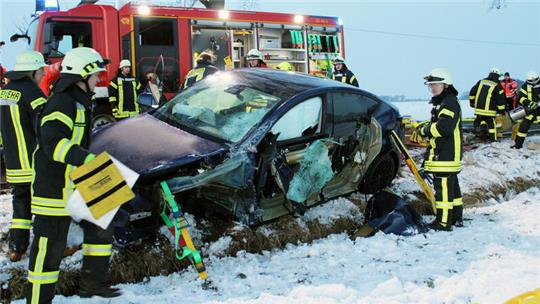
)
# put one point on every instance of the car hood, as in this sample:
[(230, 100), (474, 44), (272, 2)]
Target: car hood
[(147, 145)]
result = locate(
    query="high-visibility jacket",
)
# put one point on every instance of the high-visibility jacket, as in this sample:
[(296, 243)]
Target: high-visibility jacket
[(345, 76), (123, 91), (530, 93), (52, 73), (63, 140), (445, 137), (487, 96), (198, 73), (20, 104), (510, 87)]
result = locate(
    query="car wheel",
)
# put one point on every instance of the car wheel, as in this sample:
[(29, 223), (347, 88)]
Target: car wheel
[(102, 120), (379, 175)]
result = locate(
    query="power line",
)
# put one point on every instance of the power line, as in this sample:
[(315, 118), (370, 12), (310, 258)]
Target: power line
[(442, 37)]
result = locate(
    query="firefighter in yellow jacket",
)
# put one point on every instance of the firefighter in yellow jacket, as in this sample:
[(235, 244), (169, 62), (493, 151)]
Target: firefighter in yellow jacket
[(488, 99), (63, 142), (529, 97), (444, 152), (123, 92), (21, 102)]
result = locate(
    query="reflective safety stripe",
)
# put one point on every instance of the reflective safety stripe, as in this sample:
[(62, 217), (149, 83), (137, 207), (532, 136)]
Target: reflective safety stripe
[(135, 88), (352, 79), (18, 223), (442, 166), (444, 185), (457, 142), (19, 176), (19, 135), (521, 134), (48, 202), (58, 116), (97, 249), (112, 84), (38, 269), (49, 211), (61, 150), (37, 102), (120, 95), (485, 112), (458, 201), (433, 130), (344, 79), (446, 112), (112, 98), (44, 277)]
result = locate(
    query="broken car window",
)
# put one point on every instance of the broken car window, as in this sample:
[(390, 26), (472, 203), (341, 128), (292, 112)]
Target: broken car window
[(219, 107), (302, 118)]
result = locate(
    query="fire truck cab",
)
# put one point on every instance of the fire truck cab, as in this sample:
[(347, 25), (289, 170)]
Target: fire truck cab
[(166, 40)]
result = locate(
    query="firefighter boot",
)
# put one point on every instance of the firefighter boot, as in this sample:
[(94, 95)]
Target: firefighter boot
[(90, 288), (457, 216), (439, 224), (518, 144)]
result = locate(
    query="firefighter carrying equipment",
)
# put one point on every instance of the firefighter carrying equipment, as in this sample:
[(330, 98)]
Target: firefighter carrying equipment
[(65, 128), (529, 97), (123, 91), (101, 185), (178, 225), (444, 155), (488, 99), (417, 173)]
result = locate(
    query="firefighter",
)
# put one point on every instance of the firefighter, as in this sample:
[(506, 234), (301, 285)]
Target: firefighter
[(529, 97), (443, 156), (203, 68), (255, 59), (64, 138), (123, 91), (510, 87), (488, 99), (342, 73), (21, 102)]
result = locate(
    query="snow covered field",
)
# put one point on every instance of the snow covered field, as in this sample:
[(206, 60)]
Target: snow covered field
[(495, 257)]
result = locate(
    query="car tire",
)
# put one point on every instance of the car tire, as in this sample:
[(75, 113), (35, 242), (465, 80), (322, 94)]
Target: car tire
[(380, 174), (102, 120)]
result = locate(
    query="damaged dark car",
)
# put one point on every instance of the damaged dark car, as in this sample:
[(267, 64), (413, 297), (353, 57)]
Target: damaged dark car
[(254, 145)]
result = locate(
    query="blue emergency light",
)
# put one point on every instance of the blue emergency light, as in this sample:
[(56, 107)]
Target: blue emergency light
[(47, 5)]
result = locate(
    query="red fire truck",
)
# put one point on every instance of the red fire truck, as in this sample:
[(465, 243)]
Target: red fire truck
[(165, 40)]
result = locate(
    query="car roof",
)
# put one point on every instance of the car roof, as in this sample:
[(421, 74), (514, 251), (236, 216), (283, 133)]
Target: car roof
[(288, 83)]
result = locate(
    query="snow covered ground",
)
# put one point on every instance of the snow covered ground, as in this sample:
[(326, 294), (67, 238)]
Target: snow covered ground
[(495, 257)]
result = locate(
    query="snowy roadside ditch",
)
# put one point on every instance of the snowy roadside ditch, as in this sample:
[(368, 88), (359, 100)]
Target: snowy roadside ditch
[(492, 174)]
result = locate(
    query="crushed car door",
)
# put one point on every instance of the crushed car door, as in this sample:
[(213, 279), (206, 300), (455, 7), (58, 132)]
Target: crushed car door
[(293, 133)]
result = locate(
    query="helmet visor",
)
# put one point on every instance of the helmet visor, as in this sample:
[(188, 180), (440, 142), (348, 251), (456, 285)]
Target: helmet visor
[(433, 79)]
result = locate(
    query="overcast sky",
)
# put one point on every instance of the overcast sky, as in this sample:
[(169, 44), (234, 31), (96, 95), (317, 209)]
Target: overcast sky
[(391, 45)]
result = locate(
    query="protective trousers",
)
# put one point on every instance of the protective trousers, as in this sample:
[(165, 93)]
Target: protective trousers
[(448, 199), (21, 222), (47, 249), (485, 124), (524, 128)]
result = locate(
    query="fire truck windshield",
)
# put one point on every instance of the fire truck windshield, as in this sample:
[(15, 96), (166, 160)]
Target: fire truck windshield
[(61, 36)]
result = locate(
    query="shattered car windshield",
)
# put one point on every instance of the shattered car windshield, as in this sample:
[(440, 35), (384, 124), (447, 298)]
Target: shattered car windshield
[(219, 106)]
